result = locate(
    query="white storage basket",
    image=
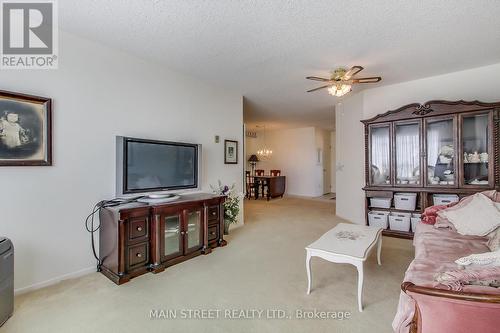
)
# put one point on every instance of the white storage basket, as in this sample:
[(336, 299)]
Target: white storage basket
[(399, 222), (444, 199), (415, 219), (406, 201), (401, 214), (378, 219), (379, 202)]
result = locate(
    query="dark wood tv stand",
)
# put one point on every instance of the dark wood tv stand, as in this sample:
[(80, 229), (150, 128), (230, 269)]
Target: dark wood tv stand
[(139, 238)]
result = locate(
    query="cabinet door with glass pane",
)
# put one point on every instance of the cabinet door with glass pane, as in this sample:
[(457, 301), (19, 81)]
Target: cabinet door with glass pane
[(441, 152), (477, 154), (172, 242), (407, 157), (193, 230), (380, 155)]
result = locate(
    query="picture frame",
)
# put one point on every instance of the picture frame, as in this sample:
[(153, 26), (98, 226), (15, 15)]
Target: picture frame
[(25, 130), (230, 152)]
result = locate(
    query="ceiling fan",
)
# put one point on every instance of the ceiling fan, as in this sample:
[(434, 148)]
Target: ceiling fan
[(341, 80)]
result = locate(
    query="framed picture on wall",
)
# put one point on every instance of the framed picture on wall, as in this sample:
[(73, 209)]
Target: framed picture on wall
[(230, 152), (25, 130)]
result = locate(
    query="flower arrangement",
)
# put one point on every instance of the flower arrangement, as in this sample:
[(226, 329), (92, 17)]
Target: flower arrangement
[(231, 205)]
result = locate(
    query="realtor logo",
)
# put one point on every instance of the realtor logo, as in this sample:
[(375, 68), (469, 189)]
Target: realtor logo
[(29, 34)]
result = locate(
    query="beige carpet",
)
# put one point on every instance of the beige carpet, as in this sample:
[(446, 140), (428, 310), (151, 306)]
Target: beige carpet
[(261, 268)]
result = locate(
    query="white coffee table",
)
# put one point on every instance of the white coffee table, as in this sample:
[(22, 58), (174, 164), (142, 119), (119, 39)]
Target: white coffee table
[(346, 243)]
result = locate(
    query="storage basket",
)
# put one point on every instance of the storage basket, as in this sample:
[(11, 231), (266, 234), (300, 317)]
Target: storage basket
[(415, 219), (378, 219), (379, 202), (444, 199), (406, 201), (399, 222)]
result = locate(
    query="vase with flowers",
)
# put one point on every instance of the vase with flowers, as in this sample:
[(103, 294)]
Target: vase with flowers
[(231, 204)]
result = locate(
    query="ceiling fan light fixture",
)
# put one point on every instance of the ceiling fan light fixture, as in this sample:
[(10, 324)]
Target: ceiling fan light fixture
[(341, 81), (339, 90)]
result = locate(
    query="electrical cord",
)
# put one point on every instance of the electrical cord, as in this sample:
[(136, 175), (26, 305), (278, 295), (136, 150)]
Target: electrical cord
[(90, 221)]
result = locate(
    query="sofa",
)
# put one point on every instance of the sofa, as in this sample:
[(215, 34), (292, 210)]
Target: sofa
[(429, 306)]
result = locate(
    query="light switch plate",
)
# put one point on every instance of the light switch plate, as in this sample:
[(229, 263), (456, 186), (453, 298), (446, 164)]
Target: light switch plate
[(217, 139)]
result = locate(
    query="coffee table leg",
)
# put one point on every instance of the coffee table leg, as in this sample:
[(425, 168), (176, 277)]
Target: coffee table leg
[(308, 269), (379, 249), (359, 266)]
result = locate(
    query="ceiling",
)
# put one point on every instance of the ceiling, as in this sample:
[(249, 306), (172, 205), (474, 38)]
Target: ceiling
[(264, 49)]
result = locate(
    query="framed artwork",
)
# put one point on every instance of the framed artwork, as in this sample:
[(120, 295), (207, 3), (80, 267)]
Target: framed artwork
[(25, 130), (230, 152)]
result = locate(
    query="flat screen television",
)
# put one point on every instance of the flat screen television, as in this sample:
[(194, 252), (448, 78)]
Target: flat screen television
[(144, 166)]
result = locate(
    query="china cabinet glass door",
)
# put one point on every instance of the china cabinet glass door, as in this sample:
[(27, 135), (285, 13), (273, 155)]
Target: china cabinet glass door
[(172, 237), (407, 153), (380, 161), (194, 239), (440, 152), (476, 149)]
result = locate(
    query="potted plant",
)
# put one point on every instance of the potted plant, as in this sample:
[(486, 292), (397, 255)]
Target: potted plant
[(231, 205)]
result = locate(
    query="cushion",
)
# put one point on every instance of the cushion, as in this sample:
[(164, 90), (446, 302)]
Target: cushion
[(456, 279), (494, 240), (441, 222), (430, 213), (477, 216), (487, 258), (493, 195)]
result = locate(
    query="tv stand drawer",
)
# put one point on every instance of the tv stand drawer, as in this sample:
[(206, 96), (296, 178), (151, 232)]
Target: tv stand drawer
[(213, 213), (138, 228), (138, 256), (213, 233)]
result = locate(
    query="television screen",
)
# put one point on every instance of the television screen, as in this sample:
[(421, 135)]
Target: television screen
[(156, 165)]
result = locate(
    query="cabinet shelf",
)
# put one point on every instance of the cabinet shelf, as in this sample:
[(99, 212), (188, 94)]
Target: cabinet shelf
[(398, 234), (392, 209)]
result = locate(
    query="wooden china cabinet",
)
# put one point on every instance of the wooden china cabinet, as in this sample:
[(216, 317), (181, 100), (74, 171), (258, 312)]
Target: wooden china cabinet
[(439, 147)]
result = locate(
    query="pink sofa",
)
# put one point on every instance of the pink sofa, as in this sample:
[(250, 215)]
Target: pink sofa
[(427, 306)]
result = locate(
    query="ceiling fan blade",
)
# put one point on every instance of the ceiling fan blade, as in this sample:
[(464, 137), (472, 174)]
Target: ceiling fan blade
[(353, 71), (373, 79), (322, 87), (315, 78)]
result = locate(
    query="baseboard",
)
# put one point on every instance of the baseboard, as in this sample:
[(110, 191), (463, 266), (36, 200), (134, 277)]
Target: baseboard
[(298, 196), (348, 219), (55, 280)]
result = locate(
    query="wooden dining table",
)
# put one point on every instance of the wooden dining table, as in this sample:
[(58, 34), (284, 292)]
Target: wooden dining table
[(275, 186)]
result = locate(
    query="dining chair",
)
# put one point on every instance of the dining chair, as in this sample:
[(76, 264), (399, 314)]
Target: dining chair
[(275, 173), (249, 184), (260, 184)]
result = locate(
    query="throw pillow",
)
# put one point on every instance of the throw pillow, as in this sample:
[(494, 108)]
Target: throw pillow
[(487, 258), (443, 223), (476, 217), (494, 240), (430, 213)]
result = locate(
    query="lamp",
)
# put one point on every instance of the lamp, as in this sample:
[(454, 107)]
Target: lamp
[(253, 161), (339, 89)]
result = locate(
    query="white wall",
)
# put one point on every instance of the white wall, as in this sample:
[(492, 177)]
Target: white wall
[(478, 83), (333, 162), (295, 154), (323, 167), (99, 93), (350, 158)]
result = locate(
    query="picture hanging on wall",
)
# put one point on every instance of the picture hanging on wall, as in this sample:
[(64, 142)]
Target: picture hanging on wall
[(230, 152), (25, 130)]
